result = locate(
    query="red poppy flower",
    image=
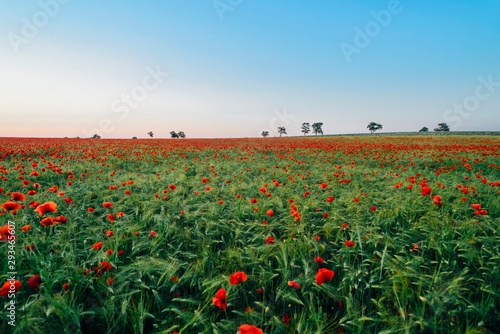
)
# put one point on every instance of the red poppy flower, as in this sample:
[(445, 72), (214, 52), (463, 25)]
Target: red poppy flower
[(270, 241), (69, 200), (120, 214), (330, 199), (356, 200), (121, 252), (6, 288), (294, 284), (325, 215), (319, 260), (9, 206), (152, 233), (46, 208), (350, 243), (250, 329), (172, 187), (66, 287), (324, 275), (220, 299), (18, 197), (373, 208), (270, 213), (6, 232), (61, 219), (49, 221), (175, 279), (29, 248), (31, 193), (426, 191), (35, 282), (345, 226), (90, 209), (107, 204), (97, 246), (476, 206), (109, 252), (109, 281), (105, 266), (253, 200), (109, 233), (26, 228), (237, 278), (111, 218), (34, 204)]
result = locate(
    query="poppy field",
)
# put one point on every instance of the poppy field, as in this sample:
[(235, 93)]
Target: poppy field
[(277, 235)]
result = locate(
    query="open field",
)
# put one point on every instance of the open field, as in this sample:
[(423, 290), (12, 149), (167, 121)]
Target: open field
[(140, 236)]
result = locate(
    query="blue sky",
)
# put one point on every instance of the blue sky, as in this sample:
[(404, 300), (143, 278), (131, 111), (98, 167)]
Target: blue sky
[(236, 68)]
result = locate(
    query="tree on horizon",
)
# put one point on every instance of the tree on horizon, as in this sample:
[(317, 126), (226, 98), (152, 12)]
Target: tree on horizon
[(306, 128), (181, 134), (150, 133), (372, 126), (281, 130), (424, 129), (174, 134), (442, 127), (317, 128), (265, 134)]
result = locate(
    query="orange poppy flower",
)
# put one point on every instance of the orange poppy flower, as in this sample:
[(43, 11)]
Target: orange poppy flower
[(294, 284), (46, 208), (97, 246), (250, 329), (107, 204), (49, 221), (9, 206), (10, 287), (270, 213), (18, 197)]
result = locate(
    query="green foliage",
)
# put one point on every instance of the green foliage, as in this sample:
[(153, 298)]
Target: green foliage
[(207, 228)]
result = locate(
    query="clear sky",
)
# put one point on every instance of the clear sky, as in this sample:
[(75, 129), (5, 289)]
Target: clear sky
[(232, 68)]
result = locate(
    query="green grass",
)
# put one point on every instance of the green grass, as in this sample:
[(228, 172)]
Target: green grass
[(450, 283)]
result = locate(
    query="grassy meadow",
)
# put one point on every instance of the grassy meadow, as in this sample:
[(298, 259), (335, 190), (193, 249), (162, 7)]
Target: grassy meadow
[(141, 236)]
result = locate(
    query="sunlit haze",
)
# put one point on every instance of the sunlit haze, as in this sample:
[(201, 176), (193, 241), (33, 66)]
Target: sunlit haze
[(237, 68)]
